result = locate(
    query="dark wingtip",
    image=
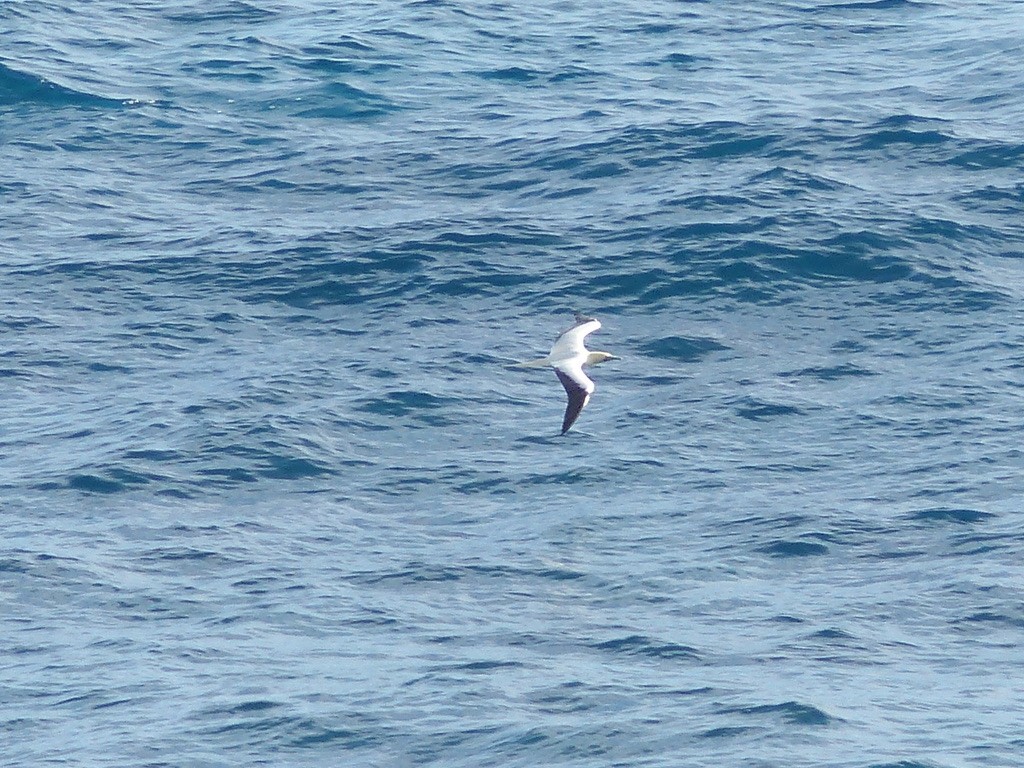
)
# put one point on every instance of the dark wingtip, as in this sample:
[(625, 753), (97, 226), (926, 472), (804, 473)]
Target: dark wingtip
[(581, 318)]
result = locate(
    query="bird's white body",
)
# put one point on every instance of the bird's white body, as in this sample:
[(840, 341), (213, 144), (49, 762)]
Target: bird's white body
[(567, 357)]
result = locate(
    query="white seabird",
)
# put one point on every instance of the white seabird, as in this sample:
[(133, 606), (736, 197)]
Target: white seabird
[(567, 357)]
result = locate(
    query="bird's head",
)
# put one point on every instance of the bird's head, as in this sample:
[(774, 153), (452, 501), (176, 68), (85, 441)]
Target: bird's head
[(599, 357)]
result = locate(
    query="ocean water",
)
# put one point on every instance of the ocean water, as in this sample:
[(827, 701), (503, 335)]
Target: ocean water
[(270, 494)]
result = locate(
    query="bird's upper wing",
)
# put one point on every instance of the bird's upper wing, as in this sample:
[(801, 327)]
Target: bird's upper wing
[(570, 343), (578, 387)]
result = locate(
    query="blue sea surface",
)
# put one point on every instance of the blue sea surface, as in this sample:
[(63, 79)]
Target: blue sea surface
[(270, 493)]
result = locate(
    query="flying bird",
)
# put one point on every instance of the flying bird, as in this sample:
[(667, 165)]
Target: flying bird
[(567, 357)]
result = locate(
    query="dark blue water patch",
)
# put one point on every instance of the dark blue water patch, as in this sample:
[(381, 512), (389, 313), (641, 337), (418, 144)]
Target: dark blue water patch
[(831, 373), (91, 483), (566, 192), (790, 711), (640, 645), (492, 233), (564, 476), (500, 485), (788, 183), (567, 698), (760, 410), (476, 282), (862, 256), (905, 764), (226, 477), (373, 620), (25, 323), (869, 5), (156, 609), (220, 10), (18, 87), (108, 368), (13, 565), (575, 73), (999, 200), (292, 468), (179, 554), (511, 74), (340, 56), (229, 69), (344, 281), (416, 572), (642, 287), (341, 101), (337, 44), (151, 454), (784, 548), (832, 635), (646, 148), (115, 703), (483, 666), (951, 515), (906, 131), (601, 170), (729, 731), (404, 402), (1014, 620), (339, 738), (849, 346), (246, 707), (972, 545), (332, 66), (991, 155), (906, 120), (683, 60), (703, 201), (895, 554), (658, 27), (681, 348), (736, 147)]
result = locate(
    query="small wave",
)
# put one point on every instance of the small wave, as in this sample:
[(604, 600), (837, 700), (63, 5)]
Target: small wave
[(831, 372), (510, 74), (988, 617), (886, 137), (794, 549), (790, 711), (404, 403), (639, 645), (292, 468), (989, 155), (114, 480), (340, 101), (234, 11), (759, 410), (18, 87), (951, 515), (682, 349), (727, 732), (869, 5)]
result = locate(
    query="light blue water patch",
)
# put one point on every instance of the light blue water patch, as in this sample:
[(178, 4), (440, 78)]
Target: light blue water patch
[(273, 493)]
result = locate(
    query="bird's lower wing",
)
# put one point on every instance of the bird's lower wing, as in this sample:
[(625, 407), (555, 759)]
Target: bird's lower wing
[(578, 399)]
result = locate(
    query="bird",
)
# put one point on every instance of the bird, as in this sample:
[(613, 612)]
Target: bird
[(567, 357)]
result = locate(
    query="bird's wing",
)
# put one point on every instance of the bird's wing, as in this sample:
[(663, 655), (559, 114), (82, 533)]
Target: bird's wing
[(578, 387), (570, 343)]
